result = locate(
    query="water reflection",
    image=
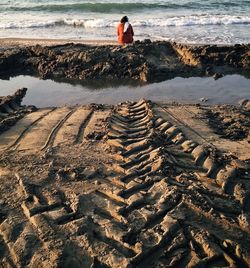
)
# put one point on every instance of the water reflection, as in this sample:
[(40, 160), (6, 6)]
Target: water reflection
[(43, 93)]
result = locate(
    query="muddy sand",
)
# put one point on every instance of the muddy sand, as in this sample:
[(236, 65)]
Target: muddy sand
[(138, 184), (143, 61)]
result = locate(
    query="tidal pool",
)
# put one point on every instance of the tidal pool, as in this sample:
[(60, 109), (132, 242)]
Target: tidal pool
[(43, 93)]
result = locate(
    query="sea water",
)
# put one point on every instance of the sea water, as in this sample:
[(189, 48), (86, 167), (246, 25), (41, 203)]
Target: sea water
[(189, 21)]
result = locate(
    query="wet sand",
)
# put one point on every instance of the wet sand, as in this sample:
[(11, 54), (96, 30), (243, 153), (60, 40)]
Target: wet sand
[(143, 61), (12, 42)]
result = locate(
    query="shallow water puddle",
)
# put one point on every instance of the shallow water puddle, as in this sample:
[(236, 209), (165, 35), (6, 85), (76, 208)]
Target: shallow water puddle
[(44, 93)]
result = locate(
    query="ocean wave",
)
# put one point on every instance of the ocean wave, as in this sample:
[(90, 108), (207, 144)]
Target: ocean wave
[(197, 20), (95, 7), (23, 25), (174, 21), (109, 7), (105, 23)]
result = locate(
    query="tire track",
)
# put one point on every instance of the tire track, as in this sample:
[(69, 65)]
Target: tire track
[(46, 210), (143, 207), (166, 201), (208, 157), (22, 135), (184, 124), (84, 124), (55, 129), (136, 174), (20, 240)]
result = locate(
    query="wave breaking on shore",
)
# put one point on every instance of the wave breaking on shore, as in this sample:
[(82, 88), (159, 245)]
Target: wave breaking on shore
[(100, 23)]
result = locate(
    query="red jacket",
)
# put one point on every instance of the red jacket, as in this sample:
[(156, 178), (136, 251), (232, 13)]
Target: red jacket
[(127, 37)]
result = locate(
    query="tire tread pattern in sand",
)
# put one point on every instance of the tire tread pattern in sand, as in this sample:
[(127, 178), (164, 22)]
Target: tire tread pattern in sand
[(167, 201)]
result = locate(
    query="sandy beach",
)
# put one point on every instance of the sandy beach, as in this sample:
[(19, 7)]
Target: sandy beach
[(134, 184), (124, 156)]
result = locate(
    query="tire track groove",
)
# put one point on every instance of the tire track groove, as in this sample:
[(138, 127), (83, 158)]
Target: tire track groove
[(84, 124), (23, 133), (55, 130)]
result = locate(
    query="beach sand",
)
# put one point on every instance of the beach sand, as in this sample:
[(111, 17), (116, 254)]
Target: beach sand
[(12, 42), (123, 185), (138, 184)]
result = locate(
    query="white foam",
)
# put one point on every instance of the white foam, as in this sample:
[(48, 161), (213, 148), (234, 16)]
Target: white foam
[(92, 23), (162, 22), (173, 21), (194, 20), (31, 24)]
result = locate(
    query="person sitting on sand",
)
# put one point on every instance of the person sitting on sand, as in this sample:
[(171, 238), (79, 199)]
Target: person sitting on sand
[(125, 32)]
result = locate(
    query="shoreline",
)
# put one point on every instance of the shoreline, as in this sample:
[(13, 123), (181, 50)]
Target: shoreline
[(17, 41), (10, 42)]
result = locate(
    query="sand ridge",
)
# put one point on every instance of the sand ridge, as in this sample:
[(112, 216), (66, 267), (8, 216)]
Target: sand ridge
[(143, 61)]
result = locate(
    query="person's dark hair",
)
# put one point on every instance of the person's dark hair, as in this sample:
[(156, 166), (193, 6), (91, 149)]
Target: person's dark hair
[(124, 19)]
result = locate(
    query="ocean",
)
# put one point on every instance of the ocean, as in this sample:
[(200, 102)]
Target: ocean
[(188, 21)]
